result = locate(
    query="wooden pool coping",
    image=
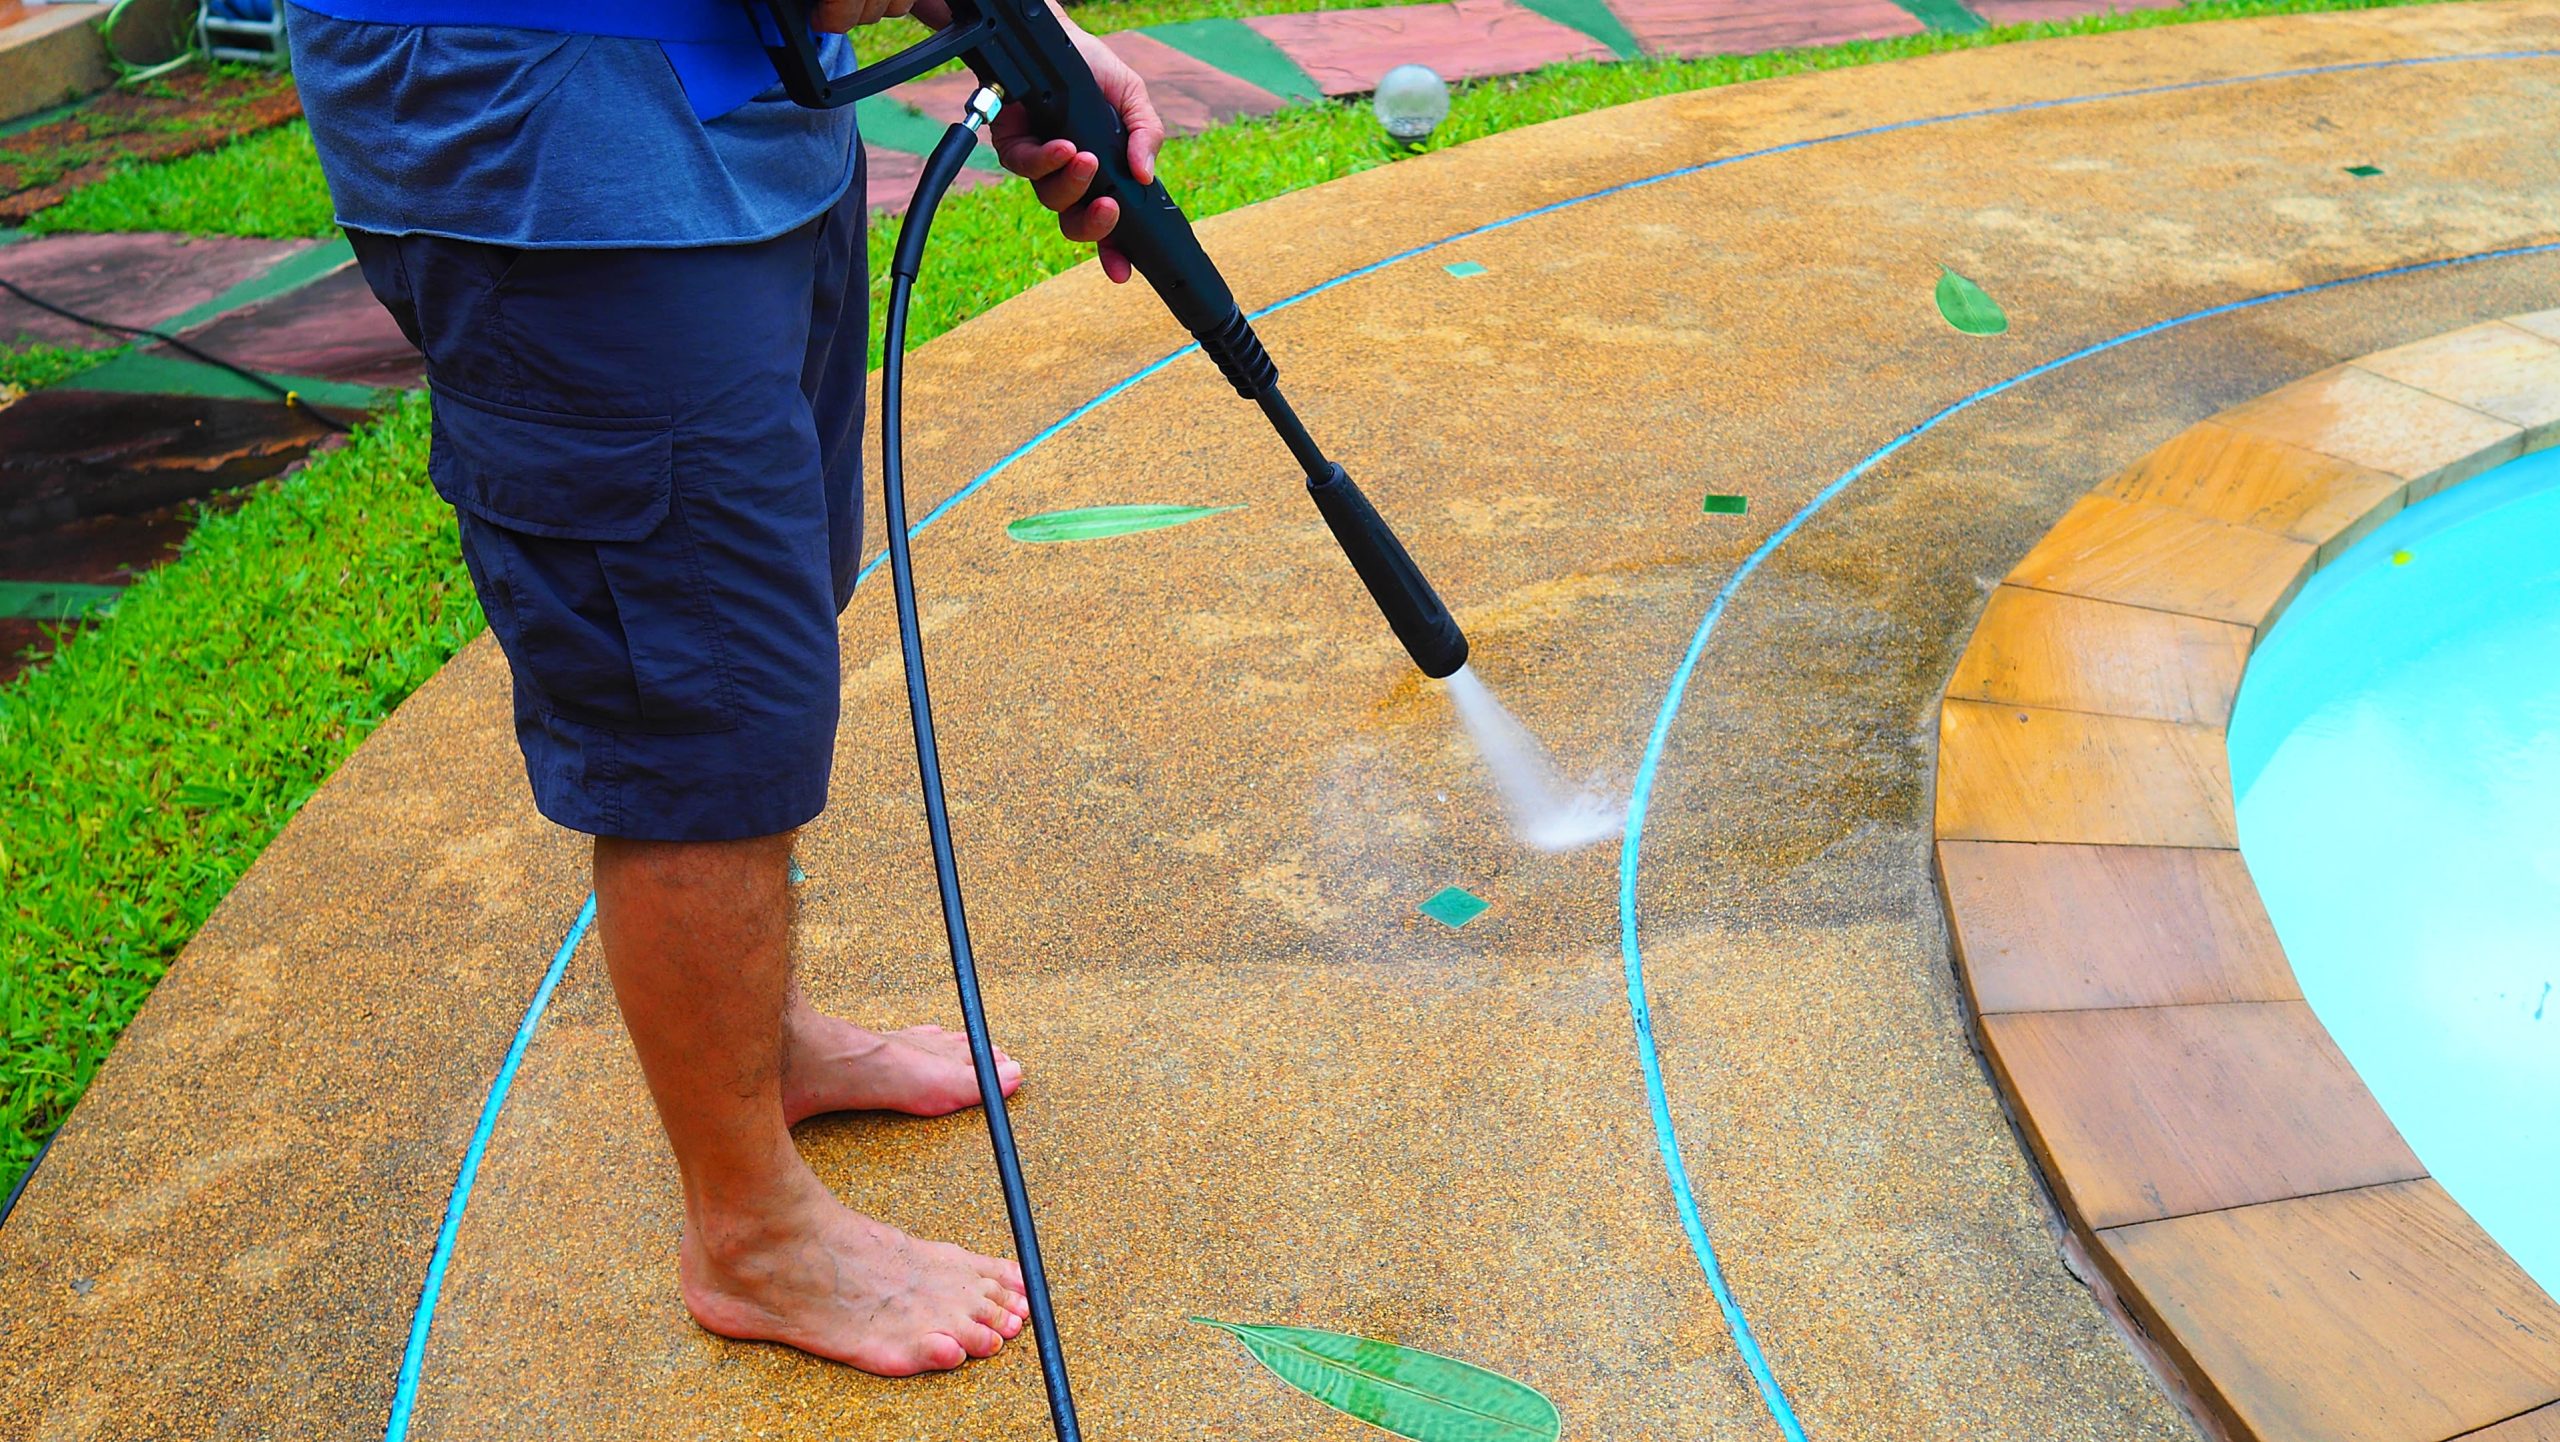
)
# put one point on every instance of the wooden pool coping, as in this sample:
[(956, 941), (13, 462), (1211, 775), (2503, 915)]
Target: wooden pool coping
[(2240, 1189)]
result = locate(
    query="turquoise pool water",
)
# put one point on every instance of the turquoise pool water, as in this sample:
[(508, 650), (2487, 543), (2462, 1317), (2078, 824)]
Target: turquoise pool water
[(2396, 755)]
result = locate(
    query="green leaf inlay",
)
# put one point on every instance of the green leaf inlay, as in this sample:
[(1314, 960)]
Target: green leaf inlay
[(1967, 306), (2364, 172), (1414, 1394), (1095, 522)]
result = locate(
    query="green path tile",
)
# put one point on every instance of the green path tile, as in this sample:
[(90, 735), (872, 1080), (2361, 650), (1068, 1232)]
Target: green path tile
[(1726, 505), (52, 600), (2364, 172), (1454, 906), (291, 273), (1947, 15), (1239, 50), (1595, 19), (1463, 268), (139, 372), (893, 125)]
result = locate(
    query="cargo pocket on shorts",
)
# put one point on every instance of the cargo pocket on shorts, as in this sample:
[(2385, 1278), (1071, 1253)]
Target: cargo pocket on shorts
[(580, 552)]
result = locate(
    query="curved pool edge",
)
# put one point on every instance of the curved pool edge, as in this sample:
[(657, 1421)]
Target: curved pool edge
[(2216, 1154)]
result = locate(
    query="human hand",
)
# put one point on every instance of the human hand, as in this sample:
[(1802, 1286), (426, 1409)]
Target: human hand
[(1060, 174), (838, 16)]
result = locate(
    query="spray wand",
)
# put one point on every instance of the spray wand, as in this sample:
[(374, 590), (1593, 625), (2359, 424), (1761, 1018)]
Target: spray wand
[(1021, 55)]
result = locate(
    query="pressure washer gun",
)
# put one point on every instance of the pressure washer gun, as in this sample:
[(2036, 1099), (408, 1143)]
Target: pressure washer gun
[(1021, 55), (1019, 50)]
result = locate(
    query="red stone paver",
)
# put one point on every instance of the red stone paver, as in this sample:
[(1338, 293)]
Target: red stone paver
[(1746, 27), (130, 279), (331, 329), (1345, 51), (890, 178), (941, 97), (2023, 12), (1190, 93)]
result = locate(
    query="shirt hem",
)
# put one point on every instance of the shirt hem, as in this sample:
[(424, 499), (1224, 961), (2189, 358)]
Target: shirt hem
[(853, 167)]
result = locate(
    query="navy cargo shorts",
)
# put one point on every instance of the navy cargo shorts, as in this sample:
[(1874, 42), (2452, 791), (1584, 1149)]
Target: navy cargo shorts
[(655, 458)]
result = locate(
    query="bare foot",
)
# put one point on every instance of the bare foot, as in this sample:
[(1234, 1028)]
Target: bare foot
[(835, 1066), (818, 1276)]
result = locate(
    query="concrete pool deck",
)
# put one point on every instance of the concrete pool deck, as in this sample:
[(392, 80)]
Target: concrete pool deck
[(1199, 797)]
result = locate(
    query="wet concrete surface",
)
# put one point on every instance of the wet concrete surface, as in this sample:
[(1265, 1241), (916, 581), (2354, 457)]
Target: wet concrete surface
[(1198, 796)]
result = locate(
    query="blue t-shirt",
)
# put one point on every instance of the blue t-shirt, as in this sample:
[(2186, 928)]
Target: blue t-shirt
[(530, 139)]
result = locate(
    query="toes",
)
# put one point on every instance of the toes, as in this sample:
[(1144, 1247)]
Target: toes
[(1000, 1270), (990, 1313), (998, 1302), (941, 1353), (975, 1339)]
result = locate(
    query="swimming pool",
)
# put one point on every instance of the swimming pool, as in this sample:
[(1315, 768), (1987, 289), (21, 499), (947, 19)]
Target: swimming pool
[(2396, 757)]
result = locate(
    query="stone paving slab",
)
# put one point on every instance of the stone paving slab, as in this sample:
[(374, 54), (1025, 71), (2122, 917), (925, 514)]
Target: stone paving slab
[(2540, 1425), (67, 454), (2256, 481), (138, 279), (332, 328), (2148, 1112), (1745, 27), (2382, 1314), (1347, 50), (890, 179), (1191, 94), (2038, 648), (1240, 50), (2044, 927)]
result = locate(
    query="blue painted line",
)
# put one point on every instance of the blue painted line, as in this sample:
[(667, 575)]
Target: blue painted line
[(1640, 801), (413, 1362), (1079, 413), (1666, 1137)]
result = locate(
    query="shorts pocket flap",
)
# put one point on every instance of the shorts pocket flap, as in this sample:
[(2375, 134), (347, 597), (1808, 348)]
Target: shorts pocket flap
[(546, 473)]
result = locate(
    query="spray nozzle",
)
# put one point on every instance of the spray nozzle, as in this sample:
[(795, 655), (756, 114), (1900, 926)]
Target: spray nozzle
[(1429, 633)]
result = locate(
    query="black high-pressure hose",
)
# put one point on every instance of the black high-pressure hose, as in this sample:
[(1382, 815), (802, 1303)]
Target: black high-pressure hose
[(940, 169)]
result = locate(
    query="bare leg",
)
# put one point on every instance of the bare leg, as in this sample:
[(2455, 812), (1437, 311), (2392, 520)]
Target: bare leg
[(697, 937)]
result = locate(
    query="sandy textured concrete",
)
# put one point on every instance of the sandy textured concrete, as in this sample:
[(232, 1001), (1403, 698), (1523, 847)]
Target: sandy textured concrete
[(1199, 796)]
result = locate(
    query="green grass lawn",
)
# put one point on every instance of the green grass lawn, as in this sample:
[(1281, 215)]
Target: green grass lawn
[(37, 364), (145, 766), (264, 184)]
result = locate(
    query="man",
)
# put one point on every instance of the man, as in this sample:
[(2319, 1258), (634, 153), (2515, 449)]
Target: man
[(637, 272)]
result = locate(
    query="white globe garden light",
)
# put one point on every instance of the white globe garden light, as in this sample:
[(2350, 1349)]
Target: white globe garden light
[(1411, 102)]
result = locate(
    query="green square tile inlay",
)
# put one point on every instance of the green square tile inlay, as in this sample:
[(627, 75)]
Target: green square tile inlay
[(2364, 172), (1463, 268), (1726, 505), (1455, 906)]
